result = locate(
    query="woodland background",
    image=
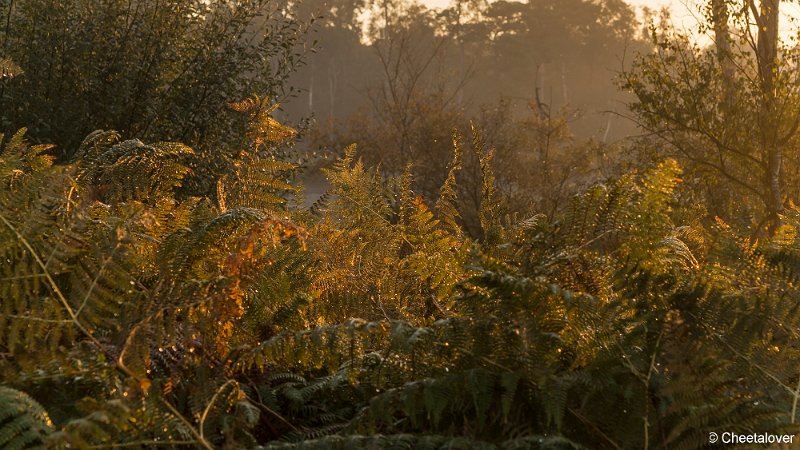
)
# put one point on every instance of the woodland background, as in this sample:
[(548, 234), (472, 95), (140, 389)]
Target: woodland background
[(268, 224)]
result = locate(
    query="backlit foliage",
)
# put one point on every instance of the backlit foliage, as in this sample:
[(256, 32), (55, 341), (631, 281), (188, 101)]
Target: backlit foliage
[(258, 164), (9, 69), (373, 320), (163, 283)]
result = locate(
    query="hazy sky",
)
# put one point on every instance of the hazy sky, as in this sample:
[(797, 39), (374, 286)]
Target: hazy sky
[(650, 3), (684, 13), (676, 4), (680, 12)]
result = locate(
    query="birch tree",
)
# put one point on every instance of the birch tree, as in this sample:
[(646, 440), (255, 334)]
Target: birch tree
[(730, 112)]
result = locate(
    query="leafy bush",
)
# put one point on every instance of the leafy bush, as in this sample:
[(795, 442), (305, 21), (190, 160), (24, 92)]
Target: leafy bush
[(154, 69)]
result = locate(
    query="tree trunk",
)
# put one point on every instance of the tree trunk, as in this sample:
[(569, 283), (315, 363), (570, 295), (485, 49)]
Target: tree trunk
[(722, 42), (767, 18)]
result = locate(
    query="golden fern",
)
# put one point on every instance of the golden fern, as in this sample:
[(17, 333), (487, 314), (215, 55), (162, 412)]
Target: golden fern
[(9, 69), (258, 179), (446, 204), (491, 207), (18, 158), (262, 128)]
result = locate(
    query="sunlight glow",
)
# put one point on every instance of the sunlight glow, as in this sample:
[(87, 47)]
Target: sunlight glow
[(686, 14)]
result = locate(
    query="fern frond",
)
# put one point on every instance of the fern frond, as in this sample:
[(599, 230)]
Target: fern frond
[(18, 158), (262, 128), (258, 183), (490, 209), (24, 424), (446, 204), (393, 442), (131, 170), (9, 69)]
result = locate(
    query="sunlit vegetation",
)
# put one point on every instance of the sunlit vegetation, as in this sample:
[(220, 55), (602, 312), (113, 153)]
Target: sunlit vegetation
[(165, 283)]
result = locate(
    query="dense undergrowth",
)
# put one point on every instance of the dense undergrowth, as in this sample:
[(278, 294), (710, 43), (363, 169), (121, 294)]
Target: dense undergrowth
[(139, 314)]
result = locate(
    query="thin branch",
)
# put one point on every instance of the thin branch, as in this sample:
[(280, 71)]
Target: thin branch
[(595, 428), (794, 401), (211, 402), (53, 286), (38, 319), (144, 444), (106, 261)]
